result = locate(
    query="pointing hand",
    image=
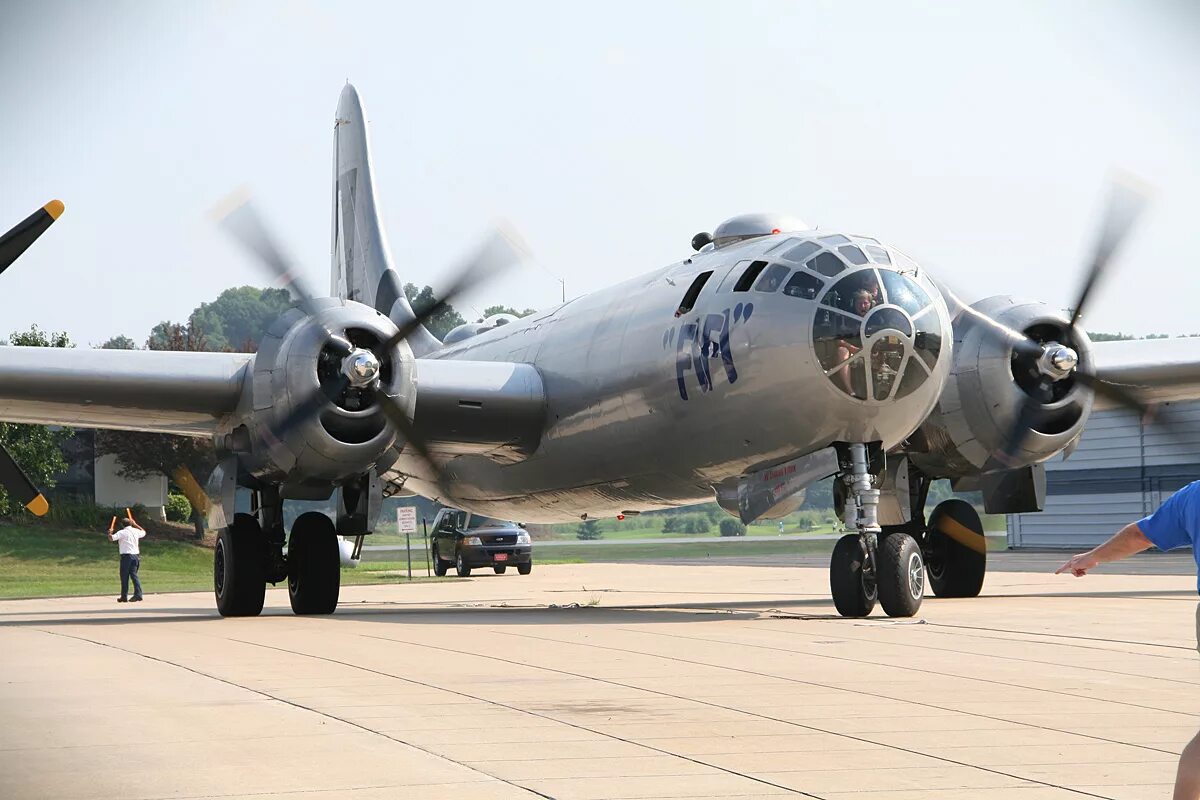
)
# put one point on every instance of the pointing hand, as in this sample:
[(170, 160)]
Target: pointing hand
[(1079, 565)]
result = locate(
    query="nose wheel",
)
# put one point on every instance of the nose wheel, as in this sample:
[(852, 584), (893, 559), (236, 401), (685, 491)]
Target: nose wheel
[(869, 567)]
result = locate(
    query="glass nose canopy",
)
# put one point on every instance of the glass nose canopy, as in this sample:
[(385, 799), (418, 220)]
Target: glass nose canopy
[(877, 335)]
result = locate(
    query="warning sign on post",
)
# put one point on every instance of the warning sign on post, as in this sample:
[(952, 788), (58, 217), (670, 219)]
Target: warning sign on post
[(406, 519)]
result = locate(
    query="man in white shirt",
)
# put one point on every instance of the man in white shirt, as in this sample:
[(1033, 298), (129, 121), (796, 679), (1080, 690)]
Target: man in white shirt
[(127, 542)]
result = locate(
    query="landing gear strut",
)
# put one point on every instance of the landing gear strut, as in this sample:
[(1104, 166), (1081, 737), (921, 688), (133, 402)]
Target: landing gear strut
[(867, 566)]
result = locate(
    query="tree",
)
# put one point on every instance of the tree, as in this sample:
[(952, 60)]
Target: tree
[(702, 524), (237, 319), (588, 529), (493, 310), (443, 320), (671, 524), (732, 527), (120, 342), (37, 448), (179, 338)]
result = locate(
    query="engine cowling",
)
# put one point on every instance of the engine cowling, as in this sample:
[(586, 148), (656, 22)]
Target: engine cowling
[(988, 384), (347, 434)]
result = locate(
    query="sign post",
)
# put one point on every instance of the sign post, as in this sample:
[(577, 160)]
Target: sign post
[(425, 528), (406, 520)]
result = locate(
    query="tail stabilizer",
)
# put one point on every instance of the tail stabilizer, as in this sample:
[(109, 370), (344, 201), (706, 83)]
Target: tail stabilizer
[(362, 260)]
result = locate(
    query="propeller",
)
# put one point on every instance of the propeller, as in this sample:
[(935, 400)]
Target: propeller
[(1042, 364), (361, 367), (12, 245)]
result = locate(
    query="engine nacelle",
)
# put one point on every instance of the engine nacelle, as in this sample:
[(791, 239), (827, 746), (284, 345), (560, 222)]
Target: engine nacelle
[(345, 435), (987, 386)]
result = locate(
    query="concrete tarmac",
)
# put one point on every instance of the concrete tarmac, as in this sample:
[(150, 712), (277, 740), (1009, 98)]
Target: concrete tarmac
[(607, 681)]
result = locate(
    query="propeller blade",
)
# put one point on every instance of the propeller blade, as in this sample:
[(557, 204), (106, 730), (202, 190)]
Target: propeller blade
[(1126, 203), (1006, 458), (239, 219), (405, 427), (1122, 395), (18, 485), (501, 250), (26, 232)]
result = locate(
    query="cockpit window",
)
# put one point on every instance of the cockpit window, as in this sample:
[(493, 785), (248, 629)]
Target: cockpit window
[(800, 252), (772, 279), (877, 336), (878, 254), (888, 318), (853, 254), (693, 292), (903, 292), (857, 293), (826, 264), (836, 239), (803, 285), (747, 280)]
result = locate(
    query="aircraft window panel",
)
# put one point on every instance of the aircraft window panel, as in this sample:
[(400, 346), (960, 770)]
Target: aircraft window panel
[(693, 292), (803, 285), (904, 292), (826, 264), (928, 339), (837, 338), (784, 243), (836, 239), (853, 255), (800, 252), (887, 354), (749, 276), (878, 254), (888, 319), (772, 278), (867, 239), (730, 277), (914, 375), (857, 293)]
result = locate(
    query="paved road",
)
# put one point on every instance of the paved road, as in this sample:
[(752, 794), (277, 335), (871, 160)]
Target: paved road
[(606, 681)]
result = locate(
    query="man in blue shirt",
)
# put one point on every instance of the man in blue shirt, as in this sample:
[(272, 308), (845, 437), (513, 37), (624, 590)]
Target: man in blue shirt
[(1175, 524)]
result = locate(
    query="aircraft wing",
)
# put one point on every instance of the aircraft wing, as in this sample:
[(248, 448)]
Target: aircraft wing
[(1162, 370), (141, 390)]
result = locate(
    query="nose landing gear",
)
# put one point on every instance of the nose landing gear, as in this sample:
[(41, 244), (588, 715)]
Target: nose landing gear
[(867, 566)]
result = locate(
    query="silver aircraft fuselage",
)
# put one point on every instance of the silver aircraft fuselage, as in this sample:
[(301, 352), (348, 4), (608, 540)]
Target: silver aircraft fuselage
[(648, 408)]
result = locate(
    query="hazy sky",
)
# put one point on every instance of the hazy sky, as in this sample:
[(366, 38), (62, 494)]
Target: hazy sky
[(974, 136)]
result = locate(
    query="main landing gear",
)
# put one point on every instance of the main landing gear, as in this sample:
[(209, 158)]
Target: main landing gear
[(249, 555), (889, 564)]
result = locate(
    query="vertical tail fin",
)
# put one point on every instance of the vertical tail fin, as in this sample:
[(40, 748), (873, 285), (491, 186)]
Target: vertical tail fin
[(362, 261)]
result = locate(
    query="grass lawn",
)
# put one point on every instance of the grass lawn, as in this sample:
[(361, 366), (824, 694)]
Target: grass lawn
[(38, 561)]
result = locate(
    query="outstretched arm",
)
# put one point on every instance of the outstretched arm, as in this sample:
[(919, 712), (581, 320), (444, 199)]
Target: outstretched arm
[(1124, 543)]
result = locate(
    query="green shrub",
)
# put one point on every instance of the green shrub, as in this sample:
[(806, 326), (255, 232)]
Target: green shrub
[(732, 527), (178, 508)]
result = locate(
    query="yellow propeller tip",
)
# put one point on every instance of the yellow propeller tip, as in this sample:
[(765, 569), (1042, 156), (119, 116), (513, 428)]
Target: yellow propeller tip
[(38, 505), (54, 208)]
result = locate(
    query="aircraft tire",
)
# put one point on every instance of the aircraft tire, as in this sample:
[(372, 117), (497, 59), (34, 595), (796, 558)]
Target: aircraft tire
[(460, 566), (901, 572), (499, 570), (239, 568), (525, 569), (957, 559), (314, 565), (439, 566), (852, 594)]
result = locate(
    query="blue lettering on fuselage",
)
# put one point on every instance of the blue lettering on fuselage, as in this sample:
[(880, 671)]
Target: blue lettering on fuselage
[(703, 339)]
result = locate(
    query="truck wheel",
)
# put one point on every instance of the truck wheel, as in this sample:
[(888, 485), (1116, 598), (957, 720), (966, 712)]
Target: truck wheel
[(460, 566), (439, 566)]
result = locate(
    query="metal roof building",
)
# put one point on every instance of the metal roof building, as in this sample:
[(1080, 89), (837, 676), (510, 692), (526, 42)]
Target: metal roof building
[(1122, 470)]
